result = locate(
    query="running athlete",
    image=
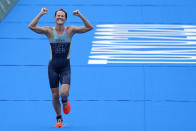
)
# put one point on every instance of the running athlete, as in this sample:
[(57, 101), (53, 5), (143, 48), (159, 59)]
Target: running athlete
[(60, 38)]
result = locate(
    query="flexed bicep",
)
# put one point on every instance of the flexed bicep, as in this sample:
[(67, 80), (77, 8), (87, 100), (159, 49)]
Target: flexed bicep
[(33, 25), (81, 29), (40, 30)]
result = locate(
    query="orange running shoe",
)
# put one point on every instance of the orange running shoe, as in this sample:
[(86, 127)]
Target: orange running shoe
[(67, 109), (59, 123)]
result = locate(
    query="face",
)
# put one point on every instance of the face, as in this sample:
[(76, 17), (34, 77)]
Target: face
[(60, 18)]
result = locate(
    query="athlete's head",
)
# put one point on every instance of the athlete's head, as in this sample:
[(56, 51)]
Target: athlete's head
[(60, 16)]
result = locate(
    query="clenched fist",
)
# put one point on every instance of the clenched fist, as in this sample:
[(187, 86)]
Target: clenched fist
[(76, 13), (44, 11)]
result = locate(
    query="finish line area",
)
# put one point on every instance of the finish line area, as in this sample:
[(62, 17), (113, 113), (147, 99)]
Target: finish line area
[(135, 71)]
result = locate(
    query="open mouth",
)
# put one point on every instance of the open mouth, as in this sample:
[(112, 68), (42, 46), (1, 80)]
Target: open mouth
[(59, 20)]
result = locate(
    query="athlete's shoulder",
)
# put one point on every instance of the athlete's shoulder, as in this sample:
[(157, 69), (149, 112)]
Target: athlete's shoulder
[(69, 28), (72, 26)]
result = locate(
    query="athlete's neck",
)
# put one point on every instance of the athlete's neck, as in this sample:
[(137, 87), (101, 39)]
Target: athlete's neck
[(59, 28)]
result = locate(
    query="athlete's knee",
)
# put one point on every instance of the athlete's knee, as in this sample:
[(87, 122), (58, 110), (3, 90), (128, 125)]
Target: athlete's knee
[(64, 90), (64, 93)]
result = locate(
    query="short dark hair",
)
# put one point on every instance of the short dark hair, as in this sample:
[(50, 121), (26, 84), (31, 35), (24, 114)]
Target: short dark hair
[(63, 11)]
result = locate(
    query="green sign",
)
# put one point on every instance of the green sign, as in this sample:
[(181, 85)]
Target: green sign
[(5, 7)]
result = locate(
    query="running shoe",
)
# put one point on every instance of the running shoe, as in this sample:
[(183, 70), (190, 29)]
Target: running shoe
[(59, 123), (67, 109)]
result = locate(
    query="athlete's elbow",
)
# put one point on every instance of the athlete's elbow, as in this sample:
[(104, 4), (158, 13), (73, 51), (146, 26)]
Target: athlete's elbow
[(90, 28), (30, 27)]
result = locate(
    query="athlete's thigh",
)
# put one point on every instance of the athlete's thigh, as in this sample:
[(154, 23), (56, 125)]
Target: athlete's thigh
[(53, 77), (65, 76)]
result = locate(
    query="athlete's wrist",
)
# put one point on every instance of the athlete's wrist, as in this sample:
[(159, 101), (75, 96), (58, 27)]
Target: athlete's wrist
[(40, 14), (81, 16)]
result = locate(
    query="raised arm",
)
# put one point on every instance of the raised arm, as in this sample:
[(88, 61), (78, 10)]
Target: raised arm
[(82, 29), (33, 25)]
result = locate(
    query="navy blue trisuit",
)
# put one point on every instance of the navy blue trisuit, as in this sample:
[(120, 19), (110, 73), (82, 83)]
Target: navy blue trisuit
[(59, 64)]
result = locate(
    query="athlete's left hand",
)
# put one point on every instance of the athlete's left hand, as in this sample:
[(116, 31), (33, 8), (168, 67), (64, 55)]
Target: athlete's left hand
[(76, 13)]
